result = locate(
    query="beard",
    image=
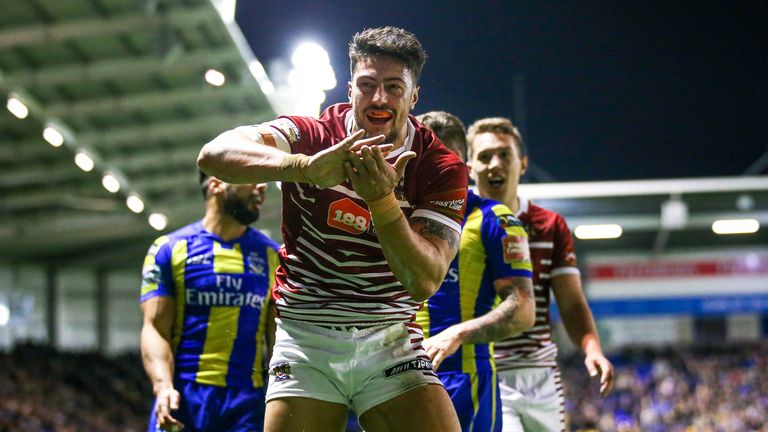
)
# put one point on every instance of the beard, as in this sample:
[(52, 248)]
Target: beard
[(239, 208)]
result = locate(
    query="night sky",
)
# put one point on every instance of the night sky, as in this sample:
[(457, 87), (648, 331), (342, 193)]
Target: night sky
[(611, 91)]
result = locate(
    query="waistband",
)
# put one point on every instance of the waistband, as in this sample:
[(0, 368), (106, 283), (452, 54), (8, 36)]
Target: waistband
[(356, 330)]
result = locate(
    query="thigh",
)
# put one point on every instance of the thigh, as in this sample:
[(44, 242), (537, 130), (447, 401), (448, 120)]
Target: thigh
[(303, 414), (424, 408)]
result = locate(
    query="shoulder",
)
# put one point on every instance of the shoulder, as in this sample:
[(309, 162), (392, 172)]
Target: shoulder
[(331, 123), (259, 238)]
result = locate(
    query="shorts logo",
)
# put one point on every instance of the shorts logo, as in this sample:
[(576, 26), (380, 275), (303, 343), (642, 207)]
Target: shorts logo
[(282, 372), (515, 249), (347, 216), (418, 364)]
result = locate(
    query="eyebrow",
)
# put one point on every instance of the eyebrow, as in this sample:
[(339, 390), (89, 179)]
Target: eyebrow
[(390, 79)]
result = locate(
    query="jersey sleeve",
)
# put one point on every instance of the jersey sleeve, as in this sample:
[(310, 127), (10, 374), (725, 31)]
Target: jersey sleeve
[(157, 274), (445, 196), (506, 245), (294, 134), (563, 253)]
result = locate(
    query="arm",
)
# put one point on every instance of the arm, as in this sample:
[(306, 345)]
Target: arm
[(418, 251), (157, 356), (515, 313), (580, 326), (242, 155)]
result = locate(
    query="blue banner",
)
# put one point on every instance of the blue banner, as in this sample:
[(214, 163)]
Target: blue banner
[(697, 306)]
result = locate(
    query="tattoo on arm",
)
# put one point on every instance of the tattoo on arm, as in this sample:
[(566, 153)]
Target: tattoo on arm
[(425, 226), (499, 323)]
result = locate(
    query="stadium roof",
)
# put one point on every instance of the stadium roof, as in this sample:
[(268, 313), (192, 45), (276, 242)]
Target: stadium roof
[(123, 82)]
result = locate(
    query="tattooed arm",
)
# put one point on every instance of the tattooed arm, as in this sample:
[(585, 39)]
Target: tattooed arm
[(419, 254), (515, 313)]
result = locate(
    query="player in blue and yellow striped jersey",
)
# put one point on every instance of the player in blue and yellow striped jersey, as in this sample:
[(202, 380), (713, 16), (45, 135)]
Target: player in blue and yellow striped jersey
[(208, 320), (486, 296)]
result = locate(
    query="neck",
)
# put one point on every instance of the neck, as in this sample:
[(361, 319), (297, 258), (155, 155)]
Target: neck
[(512, 201), (222, 225)]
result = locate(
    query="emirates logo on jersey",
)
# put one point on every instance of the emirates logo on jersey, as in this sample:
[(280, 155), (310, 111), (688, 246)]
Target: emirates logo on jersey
[(515, 249), (347, 216)]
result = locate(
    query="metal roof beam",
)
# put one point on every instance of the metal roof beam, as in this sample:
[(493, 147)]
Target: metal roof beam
[(122, 67), (52, 33), (137, 135), (151, 100)]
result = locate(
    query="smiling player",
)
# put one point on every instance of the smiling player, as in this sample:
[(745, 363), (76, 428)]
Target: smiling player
[(369, 232)]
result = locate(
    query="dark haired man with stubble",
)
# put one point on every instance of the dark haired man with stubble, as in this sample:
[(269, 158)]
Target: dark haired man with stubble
[(372, 210)]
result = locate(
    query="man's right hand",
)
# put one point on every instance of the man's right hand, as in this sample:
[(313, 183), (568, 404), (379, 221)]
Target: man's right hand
[(168, 400), (326, 168)]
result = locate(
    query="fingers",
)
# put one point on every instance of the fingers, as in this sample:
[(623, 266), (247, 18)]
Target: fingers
[(437, 360), (354, 143), (402, 161), (606, 379), (351, 140), (174, 400), (385, 149), (591, 368)]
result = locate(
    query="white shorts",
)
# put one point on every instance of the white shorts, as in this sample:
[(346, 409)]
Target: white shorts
[(532, 400), (357, 368)]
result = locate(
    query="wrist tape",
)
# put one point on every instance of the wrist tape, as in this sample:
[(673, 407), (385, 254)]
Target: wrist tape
[(384, 210)]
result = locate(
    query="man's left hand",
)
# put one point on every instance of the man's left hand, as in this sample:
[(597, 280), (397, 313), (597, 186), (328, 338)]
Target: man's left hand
[(598, 363), (371, 175)]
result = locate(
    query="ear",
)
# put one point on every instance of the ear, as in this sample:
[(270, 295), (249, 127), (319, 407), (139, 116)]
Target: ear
[(471, 172), (349, 91), (523, 165), (415, 97), (215, 186)]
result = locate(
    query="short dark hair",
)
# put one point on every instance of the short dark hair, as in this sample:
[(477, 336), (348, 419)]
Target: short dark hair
[(500, 125), (203, 182), (448, 128), (388, 41)]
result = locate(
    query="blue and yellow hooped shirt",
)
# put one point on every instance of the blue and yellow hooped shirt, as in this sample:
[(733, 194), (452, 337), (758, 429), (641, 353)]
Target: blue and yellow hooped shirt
[(221, 290), (493, 245)]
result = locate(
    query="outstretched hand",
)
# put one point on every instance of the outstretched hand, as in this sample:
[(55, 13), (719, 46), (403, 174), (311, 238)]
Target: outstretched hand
[(326, 168), (598, 363), (371, 175)]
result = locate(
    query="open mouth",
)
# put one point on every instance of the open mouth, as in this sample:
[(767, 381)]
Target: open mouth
[(495, 182), (379, 117)]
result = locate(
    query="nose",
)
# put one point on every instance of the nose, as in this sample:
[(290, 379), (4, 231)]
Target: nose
[(380, 96), (496, 161)]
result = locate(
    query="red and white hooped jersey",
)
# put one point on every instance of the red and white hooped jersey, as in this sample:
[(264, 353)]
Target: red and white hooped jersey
[(332, 268), (552, 254)]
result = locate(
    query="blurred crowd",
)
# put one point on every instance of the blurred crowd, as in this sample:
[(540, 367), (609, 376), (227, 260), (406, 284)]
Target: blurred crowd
[(702, 389), (674, 389), (43, 390)]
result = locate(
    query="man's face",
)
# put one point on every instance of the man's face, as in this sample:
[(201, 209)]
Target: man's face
[(243, 202), (496, 166), (382, 93)]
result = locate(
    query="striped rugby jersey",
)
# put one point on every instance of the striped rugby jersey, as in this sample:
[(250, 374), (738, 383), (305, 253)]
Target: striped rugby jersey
[(493, 246), (332, 268), (552, 254), (221, 291)]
